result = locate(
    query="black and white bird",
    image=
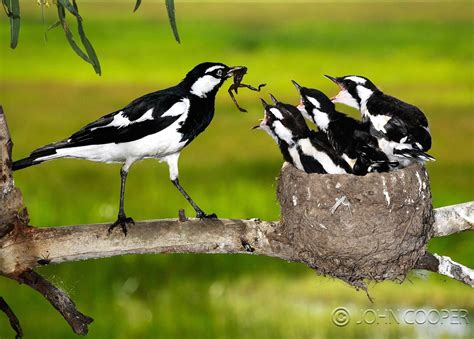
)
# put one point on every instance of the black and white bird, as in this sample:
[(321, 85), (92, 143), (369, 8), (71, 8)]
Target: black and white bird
[(157, 125), (350, 138), (307, 151), (401, 129)]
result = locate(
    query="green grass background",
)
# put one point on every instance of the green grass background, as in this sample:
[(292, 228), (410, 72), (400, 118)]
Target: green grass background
[(421, 52)]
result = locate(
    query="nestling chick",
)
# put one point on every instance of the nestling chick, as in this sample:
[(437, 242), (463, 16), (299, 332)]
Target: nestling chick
[(298, 145), (401, 129), (350, 138)]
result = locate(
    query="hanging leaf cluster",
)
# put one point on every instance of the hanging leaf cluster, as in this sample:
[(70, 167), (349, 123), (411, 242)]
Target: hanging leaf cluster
[(66, 9)]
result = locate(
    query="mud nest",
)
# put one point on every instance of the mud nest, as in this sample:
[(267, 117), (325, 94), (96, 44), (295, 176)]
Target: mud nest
[(355, 228)]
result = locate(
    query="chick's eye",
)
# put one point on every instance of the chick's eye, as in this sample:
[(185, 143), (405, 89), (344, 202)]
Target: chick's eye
[(219, 73)]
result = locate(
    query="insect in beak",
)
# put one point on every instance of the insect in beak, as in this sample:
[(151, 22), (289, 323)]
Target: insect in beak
[(238, 72)]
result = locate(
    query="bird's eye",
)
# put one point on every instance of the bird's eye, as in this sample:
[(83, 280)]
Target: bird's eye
[(219, 73)]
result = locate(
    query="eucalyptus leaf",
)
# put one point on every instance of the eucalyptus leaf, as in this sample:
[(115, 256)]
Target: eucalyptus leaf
[(172, 18), (137, 5), (56, 24), (87, 44), (12, 8), (70, 7), (53, 26), (69, 36)]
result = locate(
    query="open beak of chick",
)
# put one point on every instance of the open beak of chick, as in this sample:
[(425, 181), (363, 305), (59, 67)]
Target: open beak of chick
[(338, 82), (263, 121)]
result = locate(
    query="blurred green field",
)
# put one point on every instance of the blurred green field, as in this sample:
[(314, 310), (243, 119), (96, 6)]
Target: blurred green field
[(422, 52)]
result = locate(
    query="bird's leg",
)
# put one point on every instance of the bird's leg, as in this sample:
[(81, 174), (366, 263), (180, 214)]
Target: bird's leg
[(122, 219), (199, 212), (172, 161)]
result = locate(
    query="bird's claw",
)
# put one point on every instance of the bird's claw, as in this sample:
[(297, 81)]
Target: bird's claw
[(202, 215), (122, 221)]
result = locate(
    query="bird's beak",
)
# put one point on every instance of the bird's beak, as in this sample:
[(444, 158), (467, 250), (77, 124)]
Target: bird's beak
[(298, 87), (275, 101), (236, 69), (335, 80), (265, 106)]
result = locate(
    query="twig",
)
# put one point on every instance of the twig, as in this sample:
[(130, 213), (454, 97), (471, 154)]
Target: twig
[(58, 299), (14, 322)]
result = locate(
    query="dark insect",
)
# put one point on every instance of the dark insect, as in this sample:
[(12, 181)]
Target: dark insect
[(246, 245), (44, 260), (238, 76)]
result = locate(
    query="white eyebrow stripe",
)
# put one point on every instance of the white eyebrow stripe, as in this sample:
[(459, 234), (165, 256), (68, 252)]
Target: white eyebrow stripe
[(276, 112), (357, 79), (213, 68), (314, 102)]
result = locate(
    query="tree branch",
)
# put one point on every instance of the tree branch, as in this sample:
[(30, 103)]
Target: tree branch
[(58, 298), (14, 322), (453, 219), (446, 266), (37, 246)]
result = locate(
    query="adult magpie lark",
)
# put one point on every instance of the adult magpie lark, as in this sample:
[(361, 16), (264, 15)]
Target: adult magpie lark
[(157, 125), (350, 138), (401, 129), (306, 150)]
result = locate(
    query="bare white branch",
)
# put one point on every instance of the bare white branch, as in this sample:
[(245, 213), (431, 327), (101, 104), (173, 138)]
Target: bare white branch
[(453, 219), (39, 246), (454, 270)]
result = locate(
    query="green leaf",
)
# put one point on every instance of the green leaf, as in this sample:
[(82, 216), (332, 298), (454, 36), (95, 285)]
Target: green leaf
[(70, 7), (53, 26), (12, 9), (87, 44), (69, 36), (172, 18), (137, 4), (56, 24)]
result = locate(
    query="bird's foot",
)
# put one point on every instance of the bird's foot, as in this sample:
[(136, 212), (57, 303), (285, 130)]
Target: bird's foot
[(202, 215), (122, 221)]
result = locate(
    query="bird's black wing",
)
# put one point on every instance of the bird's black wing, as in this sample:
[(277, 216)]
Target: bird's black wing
[(319, 142), (342, 132), (125, 125), (406, 121)]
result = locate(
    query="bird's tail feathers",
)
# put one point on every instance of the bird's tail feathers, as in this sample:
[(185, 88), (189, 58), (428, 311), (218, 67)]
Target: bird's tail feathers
[(414, 153), (38, 156)]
